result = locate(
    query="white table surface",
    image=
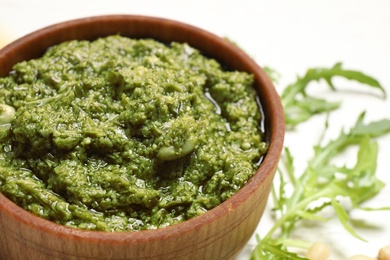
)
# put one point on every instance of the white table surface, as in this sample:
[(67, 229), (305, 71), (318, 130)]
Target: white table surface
[(289, 36)]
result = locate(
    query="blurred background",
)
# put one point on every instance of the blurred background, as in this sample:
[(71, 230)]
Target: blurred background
[(289, 36)]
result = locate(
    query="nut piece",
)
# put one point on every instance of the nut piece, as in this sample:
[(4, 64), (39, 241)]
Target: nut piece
[(360, 257), (7, 114), (384, 253), (318, 251)]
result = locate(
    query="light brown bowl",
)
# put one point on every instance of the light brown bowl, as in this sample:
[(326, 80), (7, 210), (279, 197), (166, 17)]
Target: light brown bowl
[(218, 234)]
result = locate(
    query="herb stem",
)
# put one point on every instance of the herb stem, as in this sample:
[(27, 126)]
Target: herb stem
[(296, 243), (299, 206)]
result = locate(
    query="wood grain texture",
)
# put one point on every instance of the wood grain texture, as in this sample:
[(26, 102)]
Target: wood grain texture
[(218, 234)]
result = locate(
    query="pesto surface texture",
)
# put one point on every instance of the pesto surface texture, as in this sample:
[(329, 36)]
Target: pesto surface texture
[(122, 134)]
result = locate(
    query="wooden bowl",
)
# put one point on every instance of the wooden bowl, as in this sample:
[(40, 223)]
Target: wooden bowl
[(218, 234)]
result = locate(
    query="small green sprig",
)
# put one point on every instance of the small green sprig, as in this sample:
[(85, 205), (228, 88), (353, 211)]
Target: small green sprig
[(321, 182)]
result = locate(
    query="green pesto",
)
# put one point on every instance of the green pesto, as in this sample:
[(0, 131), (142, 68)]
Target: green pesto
[(122, 134)]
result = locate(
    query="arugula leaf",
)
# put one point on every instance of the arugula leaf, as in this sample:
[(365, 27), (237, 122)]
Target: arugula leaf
[(374, 129), (322, 183), (271, 250), (358, 183), (344, 218), (299, 106), (273, 74)]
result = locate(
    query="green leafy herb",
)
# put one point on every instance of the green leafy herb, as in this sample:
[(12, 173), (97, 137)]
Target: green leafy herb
[(300, 107), (322, 182)]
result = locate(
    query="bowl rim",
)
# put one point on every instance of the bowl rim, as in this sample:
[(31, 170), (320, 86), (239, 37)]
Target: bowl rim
[(275, 138)]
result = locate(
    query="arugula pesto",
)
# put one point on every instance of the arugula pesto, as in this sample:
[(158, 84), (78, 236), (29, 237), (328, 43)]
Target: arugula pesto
[(122, 134)]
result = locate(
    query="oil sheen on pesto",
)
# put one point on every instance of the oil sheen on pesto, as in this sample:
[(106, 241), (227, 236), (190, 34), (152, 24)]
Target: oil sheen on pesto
[(122, 134)]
